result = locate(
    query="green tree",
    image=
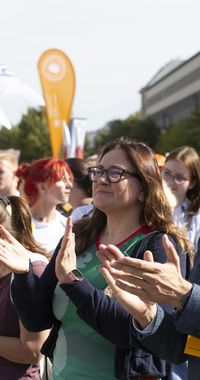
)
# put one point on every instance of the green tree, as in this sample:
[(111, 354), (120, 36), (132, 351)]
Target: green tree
[(183, 132), (132, 127), (30, 136)]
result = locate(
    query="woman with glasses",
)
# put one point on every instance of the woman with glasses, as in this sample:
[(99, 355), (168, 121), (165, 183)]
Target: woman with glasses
[(130, 211), (182, 175)]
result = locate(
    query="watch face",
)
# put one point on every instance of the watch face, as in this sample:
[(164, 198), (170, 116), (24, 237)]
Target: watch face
[(77, 274)]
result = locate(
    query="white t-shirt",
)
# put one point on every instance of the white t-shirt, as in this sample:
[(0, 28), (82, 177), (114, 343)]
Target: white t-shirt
[(48, 234)]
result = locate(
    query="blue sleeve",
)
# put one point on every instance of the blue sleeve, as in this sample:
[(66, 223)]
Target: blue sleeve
[(164, 340), (32, 296), (188, 319), (169, 335)]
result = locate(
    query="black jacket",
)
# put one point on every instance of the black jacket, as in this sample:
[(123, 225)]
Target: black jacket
[(101, 312)]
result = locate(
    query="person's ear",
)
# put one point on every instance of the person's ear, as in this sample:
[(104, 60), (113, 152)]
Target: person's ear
[(42, 188), (192, 184)]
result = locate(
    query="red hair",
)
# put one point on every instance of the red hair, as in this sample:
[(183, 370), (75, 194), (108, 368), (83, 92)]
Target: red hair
[(49, 169), (22, 170)]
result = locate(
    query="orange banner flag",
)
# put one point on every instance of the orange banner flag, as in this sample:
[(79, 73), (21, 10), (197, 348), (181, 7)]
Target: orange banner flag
[(57, 78)]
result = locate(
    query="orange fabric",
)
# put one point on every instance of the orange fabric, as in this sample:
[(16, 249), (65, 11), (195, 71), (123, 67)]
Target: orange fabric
[(160, 159), (58, 84)]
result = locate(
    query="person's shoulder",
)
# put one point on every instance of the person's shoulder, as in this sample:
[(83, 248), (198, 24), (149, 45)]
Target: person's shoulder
[(150, 241), (60, 217), (81, 211), (154, 235)]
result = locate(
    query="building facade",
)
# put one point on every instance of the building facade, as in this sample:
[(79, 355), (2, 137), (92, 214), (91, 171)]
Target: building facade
[(173, 92)]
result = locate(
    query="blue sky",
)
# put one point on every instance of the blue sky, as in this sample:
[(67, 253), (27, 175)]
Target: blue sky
[(116, 46)]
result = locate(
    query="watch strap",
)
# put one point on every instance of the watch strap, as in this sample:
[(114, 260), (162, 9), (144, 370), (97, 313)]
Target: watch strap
[(74, 275)]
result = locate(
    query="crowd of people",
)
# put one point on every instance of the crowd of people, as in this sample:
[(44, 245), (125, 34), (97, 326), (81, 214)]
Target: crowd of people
[(108, 289)]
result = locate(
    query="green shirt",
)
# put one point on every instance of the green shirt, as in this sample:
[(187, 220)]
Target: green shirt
[(80, 352)]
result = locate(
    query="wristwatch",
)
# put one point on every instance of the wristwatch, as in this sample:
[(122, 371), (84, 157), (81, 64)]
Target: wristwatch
[(74, 275)]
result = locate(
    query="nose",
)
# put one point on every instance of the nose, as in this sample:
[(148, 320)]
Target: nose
[(69, 183), (103, 178), (169, 179)]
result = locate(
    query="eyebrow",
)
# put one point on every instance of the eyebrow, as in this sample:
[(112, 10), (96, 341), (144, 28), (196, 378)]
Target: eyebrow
[(111, 166), (177, 173)]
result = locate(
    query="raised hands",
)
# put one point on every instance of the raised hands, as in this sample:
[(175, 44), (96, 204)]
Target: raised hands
[(151, 281), (12, 254), (142, 311), (66, 258)]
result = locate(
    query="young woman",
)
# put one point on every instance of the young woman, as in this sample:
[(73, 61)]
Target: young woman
[(182, 175), (19, 349), (131, 211), (46, 183)]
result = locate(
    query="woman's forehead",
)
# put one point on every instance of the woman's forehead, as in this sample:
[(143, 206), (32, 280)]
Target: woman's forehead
[(176, 165), (116, 156)]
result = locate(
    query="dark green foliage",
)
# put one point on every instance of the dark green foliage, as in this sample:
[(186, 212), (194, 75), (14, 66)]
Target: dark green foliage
[(133, 127), (184, 132), (30, 136)]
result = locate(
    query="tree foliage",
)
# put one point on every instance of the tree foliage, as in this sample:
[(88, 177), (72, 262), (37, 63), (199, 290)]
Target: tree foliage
[(30, 136), (133, 127), (183, 132)]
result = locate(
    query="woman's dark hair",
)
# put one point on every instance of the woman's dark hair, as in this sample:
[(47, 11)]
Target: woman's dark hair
[(156, 212), (190, 158), (16, 218), (79, 169)]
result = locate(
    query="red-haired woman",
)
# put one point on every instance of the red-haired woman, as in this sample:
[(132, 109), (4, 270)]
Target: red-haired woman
[(48, 182)]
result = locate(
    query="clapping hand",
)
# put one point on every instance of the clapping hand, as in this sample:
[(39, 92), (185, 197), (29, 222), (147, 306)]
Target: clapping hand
[(12, 254), (143, 312), (149, 280), (66, 258)]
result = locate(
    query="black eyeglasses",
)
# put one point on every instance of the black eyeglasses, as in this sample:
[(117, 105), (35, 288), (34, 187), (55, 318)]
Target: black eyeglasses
[(177, 178), (113, 174)]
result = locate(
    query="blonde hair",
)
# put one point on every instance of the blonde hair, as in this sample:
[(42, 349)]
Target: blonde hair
[(11, 157)]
